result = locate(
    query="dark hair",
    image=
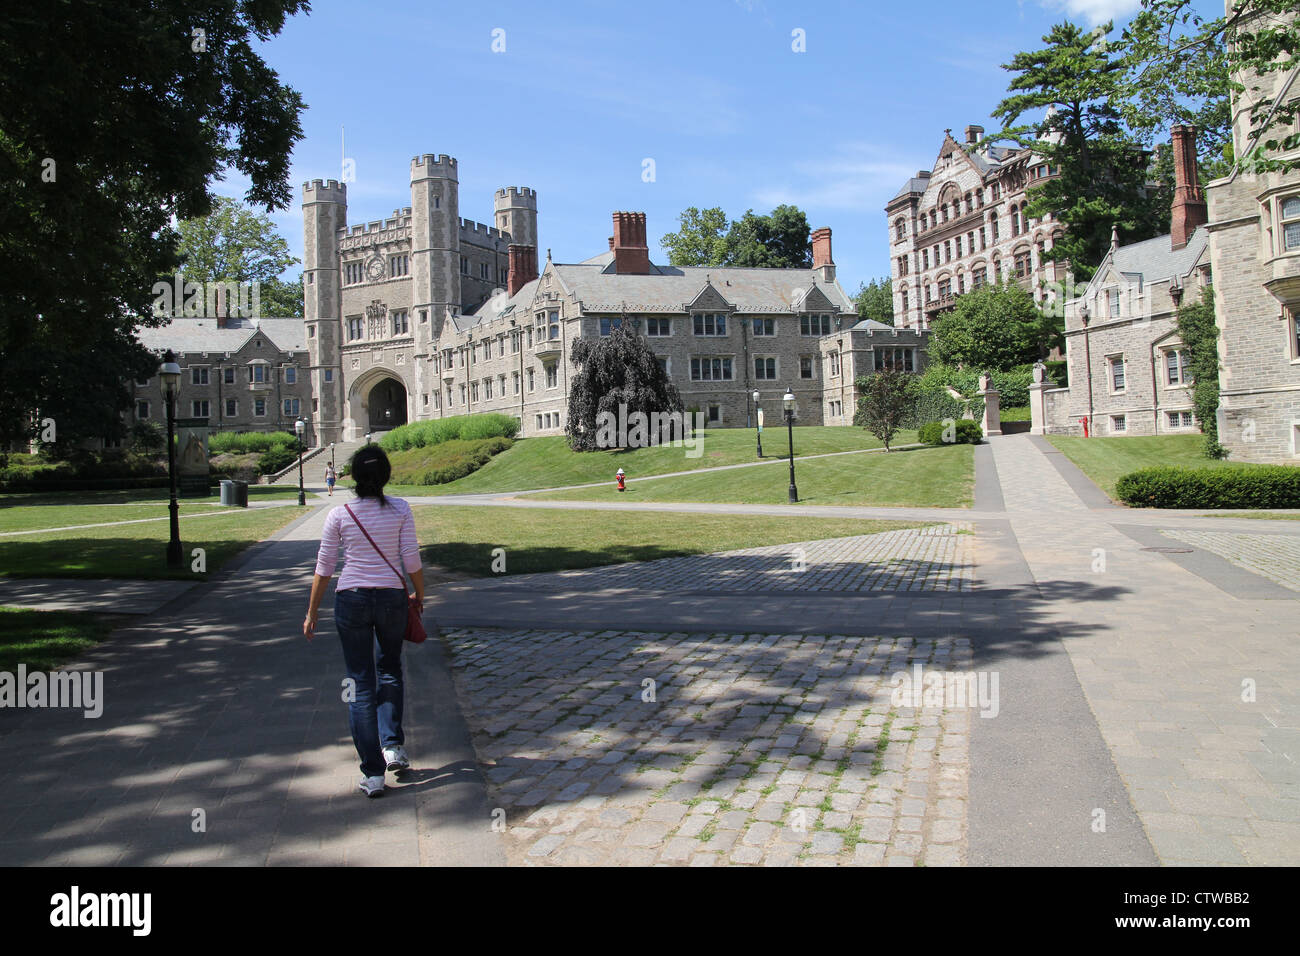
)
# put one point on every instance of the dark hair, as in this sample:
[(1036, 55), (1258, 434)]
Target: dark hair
[(370, 471)]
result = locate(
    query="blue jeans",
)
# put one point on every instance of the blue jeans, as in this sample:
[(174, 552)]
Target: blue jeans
[(371, 624)]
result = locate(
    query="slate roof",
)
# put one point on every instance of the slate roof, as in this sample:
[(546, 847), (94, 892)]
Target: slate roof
[(668, 289), (202, 335), (871, 325), (1155, 261), (914, 185)]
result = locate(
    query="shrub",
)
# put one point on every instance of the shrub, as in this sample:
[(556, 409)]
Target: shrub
[(1232, 486), (964, 432), (246, 443), (435, 431), (446, 461), (276, 459), (935, 404)]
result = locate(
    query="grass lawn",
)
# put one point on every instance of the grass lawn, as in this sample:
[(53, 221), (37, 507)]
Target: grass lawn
[(921, 477), (1106, 460), (45, 639), (535, 463), (537, 539), (137, 550), (1020, 414), (137, 496)]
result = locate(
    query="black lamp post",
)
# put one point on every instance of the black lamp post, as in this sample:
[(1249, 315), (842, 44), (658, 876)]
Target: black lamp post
[(758, 425), (169, 373), (300, 427), (788, 402), (331, 454)]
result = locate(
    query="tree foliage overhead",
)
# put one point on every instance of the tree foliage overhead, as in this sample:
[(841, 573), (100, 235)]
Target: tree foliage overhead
[(619, 369), (993, 328), (115, 119), (1072, 83), (238, 244), (1179, 67), (875, 300), (779, 240)]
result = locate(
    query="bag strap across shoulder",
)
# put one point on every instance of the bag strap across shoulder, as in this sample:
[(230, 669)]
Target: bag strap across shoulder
[(400, 577)]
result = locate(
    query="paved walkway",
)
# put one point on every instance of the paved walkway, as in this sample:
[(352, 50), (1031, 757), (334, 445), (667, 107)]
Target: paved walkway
[(1145, 705), (224, 740), (938, 558)]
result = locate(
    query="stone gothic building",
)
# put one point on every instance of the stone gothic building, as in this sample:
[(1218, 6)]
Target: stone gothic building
[(962, 224), (425, 314), (1254, 246)]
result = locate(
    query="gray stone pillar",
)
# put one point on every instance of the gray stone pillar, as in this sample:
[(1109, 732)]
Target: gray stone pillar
[(992, 423)]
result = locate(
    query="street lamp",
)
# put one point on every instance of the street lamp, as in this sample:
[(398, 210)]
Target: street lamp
[(169, 373), (331, 454), (367, 438), (788, 402), (758, 425), (300, 427)]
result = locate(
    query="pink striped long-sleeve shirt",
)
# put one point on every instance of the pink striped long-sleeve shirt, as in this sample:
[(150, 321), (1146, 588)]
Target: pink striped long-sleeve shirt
[(393, 528)]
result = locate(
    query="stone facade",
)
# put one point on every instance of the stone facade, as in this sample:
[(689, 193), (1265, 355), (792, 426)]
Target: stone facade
[(241, 374), (961, 224), (425, 314), (859, 351), (1125, 358), (1254, 246)]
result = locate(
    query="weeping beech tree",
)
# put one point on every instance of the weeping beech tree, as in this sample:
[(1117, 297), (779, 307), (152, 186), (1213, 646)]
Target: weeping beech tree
[(620, 383)]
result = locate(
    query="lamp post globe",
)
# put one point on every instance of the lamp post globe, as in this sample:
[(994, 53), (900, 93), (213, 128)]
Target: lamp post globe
[(300, 428), (758, 425), (788, 402), (169, 374)]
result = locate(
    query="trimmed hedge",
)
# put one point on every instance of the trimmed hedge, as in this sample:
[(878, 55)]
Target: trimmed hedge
[(1232, 486), (245, 443), (438, 430), (965, 432)]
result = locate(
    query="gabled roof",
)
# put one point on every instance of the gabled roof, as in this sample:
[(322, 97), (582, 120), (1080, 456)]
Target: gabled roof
[(1150, 261), (202, 335), (1154, 260), (671, 289)]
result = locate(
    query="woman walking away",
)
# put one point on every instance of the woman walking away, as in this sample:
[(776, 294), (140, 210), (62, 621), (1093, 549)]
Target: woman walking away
[(370, 609), (330, 477)]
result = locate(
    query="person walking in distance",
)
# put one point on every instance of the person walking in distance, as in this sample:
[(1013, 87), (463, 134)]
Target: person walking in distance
[(330, 478), (377, 534)]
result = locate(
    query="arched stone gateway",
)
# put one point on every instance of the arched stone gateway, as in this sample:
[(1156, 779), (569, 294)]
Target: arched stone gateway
[(386, 404)]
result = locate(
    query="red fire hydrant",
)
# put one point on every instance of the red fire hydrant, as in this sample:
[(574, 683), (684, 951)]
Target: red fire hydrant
[(620, 476)]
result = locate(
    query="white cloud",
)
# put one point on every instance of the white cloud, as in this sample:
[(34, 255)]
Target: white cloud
[(1095, 11), (861, 178)]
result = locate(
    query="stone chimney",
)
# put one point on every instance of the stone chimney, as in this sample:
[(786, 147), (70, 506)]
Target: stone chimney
[(821, 250), (974, 134), (523, 266), (1189, 210), (631, 254)]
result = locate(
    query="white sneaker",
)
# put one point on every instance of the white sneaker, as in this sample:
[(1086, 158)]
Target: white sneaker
[(372, 786), (397, 759)]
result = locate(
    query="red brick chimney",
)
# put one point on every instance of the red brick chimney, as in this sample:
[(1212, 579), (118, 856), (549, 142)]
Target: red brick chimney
[(523, 266), (1189, 210), (631, 254), (821, 250)]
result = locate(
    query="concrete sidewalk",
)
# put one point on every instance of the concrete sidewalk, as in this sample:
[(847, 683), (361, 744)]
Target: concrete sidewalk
[(224, 740)]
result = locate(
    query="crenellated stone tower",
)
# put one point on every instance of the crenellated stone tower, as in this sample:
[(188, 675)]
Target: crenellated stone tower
[(324, 217)]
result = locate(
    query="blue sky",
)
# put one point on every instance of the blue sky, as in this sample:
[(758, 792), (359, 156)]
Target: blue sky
[(711, 91)]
